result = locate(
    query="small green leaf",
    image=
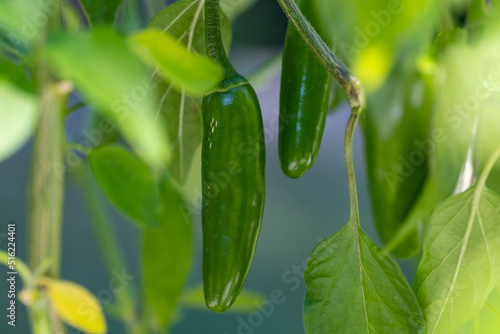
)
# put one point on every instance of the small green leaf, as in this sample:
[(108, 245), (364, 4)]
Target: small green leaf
[(185, 70), (167, 254), (488, 320), (18, 117), (100, 12), (248, 301), (128, 182), (113, 80), (460, 265), (352, 287)]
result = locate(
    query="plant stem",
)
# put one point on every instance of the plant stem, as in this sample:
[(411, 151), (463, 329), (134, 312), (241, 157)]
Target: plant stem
[(106, 237), (215, 47), (487, 169), (47, 182), (47, 187), (351, 86), (349, 160)]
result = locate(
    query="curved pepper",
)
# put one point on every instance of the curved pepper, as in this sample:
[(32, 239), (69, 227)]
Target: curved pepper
[(305, 91), (233, 177)]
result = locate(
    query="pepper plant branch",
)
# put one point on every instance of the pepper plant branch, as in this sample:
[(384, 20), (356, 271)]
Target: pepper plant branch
[(350, 84), (349, 160)]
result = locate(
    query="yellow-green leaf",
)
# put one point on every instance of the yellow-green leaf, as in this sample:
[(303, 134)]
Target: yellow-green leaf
[(248, 301), (185, 70), (76, 306)]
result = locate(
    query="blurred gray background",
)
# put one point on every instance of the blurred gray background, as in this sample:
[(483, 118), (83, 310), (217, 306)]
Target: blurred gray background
[(298, 213)]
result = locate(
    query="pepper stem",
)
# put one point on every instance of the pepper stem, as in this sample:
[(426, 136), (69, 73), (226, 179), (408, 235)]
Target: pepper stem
[(215, 47)]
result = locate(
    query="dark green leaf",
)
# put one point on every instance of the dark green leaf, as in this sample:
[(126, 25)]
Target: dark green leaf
[(99, 11), (460, 265), (167, 254), (352, 287), (113, 80), (178, 112), (129, 184)]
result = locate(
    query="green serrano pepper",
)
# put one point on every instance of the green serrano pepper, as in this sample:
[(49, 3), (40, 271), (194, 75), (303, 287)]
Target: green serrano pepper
[(305, 91), (233, 176)]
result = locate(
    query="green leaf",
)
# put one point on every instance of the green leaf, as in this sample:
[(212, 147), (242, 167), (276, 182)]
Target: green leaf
[(352, 287), (167, 254), (248, 301), (100, 12), (195, 74), (233, 8), (460, 264), (129, 183), (488, 320), (111, 78), (18, 117), (178, 112), (20, 20)]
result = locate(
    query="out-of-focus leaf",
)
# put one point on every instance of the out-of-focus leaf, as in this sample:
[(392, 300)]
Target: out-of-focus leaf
[(18, 117), (129, 183), (468, 93), (197, 75), (488, 320), (373, 35), (113, 80), (247, 301), (76, 306), (167, 253), (16, 74), (100, 12), (352, 287), (178, 112), (460, 265), (234, 8), (22, 21)]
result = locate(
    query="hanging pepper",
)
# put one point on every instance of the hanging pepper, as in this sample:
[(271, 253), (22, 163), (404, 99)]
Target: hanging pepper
[(233, 176), (305, 91), (396, 131)]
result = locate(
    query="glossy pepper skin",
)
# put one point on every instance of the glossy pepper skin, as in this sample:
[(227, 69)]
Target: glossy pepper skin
[(233, 177), (305, 91)]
